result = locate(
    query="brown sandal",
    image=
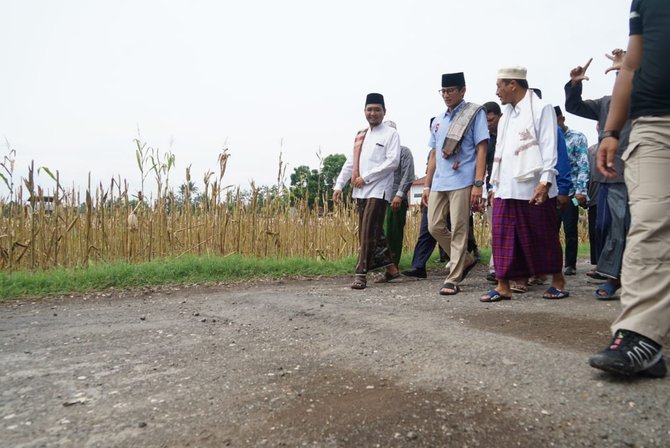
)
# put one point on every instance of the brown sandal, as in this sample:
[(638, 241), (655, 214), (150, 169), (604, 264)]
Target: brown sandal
[(360, 282), (387, 277), (518, 287)]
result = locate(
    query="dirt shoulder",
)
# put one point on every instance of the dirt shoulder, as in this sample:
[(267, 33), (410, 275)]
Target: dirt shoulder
[(314, 363)]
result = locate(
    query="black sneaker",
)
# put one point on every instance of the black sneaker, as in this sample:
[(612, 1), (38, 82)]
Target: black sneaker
[(631, 353), (415, 272)]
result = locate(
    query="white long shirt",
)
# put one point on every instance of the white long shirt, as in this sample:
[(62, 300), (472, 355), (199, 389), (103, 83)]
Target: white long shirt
[(512, 124), (380, 156)]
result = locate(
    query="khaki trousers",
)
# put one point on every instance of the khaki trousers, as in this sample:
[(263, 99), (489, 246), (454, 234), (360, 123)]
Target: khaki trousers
[(456, 204), (645, 274)]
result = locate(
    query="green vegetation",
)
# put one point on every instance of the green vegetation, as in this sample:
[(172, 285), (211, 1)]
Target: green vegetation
[(185, 270), (315, 185)]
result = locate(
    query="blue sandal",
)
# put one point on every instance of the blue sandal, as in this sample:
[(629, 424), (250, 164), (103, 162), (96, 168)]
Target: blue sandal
[(609, 289), (493, 296), (555, 293)]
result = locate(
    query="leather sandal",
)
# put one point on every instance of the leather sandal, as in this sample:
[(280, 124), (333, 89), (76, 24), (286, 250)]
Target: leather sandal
[(360, 281), (454, 289)]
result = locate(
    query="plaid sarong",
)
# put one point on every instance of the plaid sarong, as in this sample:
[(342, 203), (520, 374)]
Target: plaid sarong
[(374, 250), (525, 239)]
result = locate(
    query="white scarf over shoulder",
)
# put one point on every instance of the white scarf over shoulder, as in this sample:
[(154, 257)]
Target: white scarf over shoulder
[(525, 142)]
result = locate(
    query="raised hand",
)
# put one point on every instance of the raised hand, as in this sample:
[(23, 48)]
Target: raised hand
[(578, 74), (617, 59)]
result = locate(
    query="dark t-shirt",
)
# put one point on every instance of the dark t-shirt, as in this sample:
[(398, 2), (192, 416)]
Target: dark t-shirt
[(651, 83)]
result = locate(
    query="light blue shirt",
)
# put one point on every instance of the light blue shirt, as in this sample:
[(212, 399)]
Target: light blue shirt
[(446, 178)]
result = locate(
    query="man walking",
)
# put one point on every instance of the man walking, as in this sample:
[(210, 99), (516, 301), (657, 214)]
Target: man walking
[(396, 212), (455, 177), (642, 93), (612, 214), (525, 229), (493, 114), (425, 243), (375, 156), (578, 154)]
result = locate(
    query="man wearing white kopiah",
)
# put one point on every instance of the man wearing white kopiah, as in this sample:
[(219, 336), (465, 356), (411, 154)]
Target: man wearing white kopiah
[(525, 224)]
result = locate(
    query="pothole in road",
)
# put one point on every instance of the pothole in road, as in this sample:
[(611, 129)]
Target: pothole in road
[(332, 407), (584, 335)]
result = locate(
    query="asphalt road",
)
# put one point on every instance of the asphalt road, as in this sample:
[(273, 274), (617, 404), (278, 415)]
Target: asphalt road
[(314, 363)]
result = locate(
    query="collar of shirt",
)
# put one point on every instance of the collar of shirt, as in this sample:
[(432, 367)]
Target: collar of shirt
[(451, 114), (521, 105)]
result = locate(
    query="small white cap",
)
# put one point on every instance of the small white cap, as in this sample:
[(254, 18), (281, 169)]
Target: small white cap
[(512, 73)]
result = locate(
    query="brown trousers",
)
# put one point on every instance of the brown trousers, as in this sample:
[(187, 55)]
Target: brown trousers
[(374, 250)]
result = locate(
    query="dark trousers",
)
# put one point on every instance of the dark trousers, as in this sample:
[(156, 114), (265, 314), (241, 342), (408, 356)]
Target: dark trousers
[(425, 244), (569, 217), (594, 237), (394, 229)]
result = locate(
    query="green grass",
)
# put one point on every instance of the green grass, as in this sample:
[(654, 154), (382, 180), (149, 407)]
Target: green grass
[(186, 270), (168, 272)]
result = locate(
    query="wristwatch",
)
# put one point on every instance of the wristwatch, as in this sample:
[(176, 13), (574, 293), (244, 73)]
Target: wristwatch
[(613, 134), (478, 183)]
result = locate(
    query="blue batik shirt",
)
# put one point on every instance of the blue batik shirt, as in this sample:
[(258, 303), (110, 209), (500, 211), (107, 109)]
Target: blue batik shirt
[(578, 153), (446, 178)]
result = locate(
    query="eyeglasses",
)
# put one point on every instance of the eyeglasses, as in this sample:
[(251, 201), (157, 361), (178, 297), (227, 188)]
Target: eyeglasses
[(448, 90)]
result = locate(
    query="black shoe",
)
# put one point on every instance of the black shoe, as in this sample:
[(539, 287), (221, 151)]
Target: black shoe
[(595, 276), (569, 270), (631, 353), (415, 272), (476, 254), (491, 277)]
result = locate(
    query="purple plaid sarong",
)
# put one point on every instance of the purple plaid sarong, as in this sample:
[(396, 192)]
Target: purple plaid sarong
[(525, 239)]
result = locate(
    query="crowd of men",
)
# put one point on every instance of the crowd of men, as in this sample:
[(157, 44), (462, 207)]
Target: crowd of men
[(532, 173)]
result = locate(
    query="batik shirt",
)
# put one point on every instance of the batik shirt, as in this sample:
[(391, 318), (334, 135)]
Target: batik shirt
[(578, 153)]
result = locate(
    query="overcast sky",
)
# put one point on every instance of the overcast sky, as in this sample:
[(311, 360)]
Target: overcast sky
[(79, 77)]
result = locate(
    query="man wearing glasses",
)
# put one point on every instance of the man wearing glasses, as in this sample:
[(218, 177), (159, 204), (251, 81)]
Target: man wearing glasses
[(455, 177)]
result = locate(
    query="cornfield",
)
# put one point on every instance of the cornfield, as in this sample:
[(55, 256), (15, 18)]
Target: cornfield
[(42, 230)]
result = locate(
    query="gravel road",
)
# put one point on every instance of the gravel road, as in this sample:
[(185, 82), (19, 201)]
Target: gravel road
[(314, 363)]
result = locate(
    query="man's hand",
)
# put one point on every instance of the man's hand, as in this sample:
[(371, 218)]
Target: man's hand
[(578, 74), (396, 203), (540, 195), (617, 59), (337, 194), (476, 198), (581, 200), (605, 156), (424, 197), (562, 200), (358, 182)]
